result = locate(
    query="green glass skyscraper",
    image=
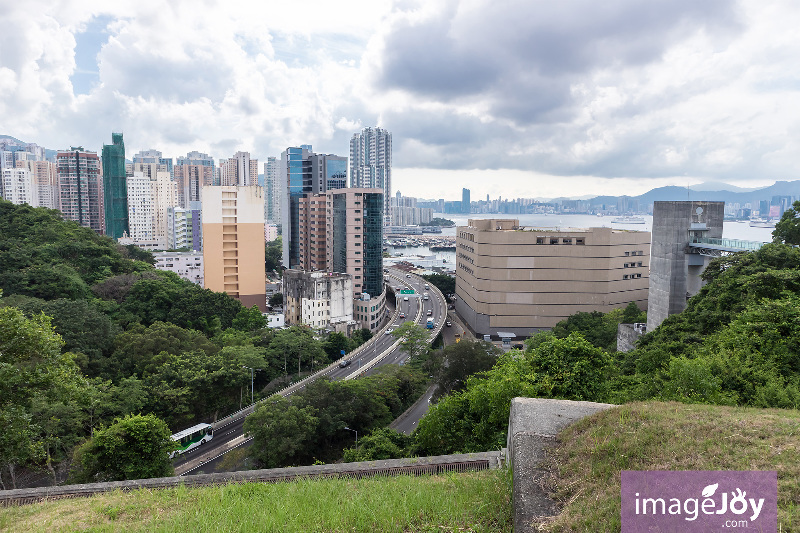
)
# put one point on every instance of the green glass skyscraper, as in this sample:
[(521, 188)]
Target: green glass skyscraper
[(115, 187)]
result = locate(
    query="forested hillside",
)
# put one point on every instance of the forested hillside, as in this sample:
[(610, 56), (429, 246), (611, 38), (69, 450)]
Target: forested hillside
[(91, 332)]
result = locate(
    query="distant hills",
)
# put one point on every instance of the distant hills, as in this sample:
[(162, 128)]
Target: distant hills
[(742, 196), (708, 191)]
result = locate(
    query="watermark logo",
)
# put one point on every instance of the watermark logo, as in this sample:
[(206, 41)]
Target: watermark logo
[(707, 501)]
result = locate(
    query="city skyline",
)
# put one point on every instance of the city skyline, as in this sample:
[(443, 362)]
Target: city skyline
[(526, 101)]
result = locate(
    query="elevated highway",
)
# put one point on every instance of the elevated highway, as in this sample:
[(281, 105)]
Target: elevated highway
[(383, 348)]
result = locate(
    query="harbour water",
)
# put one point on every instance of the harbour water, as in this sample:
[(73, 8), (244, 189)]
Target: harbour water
[(730, 230)]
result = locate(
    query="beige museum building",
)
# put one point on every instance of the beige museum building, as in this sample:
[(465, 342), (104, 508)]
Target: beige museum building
[(523, 280)]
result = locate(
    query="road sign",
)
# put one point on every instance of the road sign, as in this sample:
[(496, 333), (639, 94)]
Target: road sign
[(407, 291)]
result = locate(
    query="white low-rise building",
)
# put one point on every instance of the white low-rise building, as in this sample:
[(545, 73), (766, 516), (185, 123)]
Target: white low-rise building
[(320, 300), (188, 265)]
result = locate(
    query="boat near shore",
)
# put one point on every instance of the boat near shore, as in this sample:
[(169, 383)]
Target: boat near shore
[(761, 223), (628, 220)]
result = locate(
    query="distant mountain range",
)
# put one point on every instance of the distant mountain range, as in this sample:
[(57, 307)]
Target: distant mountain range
[(705, 193)]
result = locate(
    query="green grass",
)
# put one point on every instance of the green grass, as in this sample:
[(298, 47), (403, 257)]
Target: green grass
[(478, 502), (585, 467)]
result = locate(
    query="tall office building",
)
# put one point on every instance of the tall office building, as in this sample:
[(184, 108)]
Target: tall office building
[(304, 173), (465, 206), (192, 173), (80, 184), (233, 237), (239, 170), (272, 191), (115, 190), (354, 219), (371, 162)]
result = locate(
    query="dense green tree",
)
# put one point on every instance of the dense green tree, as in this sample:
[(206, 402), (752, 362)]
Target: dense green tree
[(363, 405), (134, 447), (84, 328), (281, 432), (249, 319), (135, 349), (170, 298), (632, 314), (383, 443), (45, 256), (295, 348), (414, 339), (787, 230), (335, 344), (273, 255), (458, 361), (276, 300), (30, 363), (476, 418)]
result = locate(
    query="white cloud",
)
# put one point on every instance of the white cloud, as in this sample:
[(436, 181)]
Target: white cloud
[(529, 96)]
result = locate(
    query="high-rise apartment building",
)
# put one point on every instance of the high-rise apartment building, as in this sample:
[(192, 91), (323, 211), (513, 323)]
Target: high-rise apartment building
[(192, 173), (272, 191), (152, 159), (149, 202), (304, 173), (45, 182), (80, 184), (239, 170), (465, 205), (141, 221), (17, 186), (233, 243), (115, 189), (313, 232), (371, 162), (183, 228), (524, 280), (354, 218)]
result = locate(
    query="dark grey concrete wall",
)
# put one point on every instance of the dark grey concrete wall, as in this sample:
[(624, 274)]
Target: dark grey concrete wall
[(626, 337), (669, 284)]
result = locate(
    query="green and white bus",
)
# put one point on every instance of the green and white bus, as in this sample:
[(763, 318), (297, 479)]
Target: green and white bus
[(191, 438)]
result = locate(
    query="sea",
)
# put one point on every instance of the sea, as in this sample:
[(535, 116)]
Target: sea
[(730, 230)]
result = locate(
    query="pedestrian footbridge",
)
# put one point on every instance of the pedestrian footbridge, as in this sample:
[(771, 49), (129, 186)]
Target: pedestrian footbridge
[(719, 247)]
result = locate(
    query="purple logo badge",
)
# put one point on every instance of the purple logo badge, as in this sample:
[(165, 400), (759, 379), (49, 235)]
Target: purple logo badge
[(707, 501)]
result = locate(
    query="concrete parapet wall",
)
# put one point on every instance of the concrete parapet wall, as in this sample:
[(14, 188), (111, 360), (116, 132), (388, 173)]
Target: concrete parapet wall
[(389, 467), (532, 428)]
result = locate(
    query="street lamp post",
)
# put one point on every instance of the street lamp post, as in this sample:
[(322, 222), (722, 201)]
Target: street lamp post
[(252, 371), (354, 431)]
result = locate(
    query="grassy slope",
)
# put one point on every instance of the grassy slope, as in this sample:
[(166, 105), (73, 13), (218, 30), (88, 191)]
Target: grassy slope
[(585, 467), (473, 501)]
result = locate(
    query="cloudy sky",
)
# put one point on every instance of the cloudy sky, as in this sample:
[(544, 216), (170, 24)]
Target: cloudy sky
[(527, 98)]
